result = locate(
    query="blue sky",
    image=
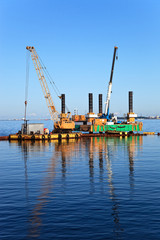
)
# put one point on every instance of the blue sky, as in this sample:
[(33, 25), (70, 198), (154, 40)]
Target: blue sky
[(75, 39)]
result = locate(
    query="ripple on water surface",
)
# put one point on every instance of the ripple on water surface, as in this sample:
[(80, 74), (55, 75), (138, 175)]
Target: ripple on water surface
[(95, 188)]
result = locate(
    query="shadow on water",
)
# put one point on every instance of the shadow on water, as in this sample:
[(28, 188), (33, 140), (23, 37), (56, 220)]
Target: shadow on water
[(103, 149)]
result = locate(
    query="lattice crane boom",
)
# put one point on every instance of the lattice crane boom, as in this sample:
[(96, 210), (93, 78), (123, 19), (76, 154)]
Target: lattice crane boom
[(39, 70), (110, 85)]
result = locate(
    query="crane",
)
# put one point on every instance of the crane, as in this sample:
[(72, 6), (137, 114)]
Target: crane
[(110, 85), (64, 124)]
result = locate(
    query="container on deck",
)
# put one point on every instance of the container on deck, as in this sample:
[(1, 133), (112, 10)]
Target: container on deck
[(33, 128)]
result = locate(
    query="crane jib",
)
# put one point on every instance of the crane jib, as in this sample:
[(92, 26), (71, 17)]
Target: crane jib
[(64, 124), (110, 84), (43, 83)]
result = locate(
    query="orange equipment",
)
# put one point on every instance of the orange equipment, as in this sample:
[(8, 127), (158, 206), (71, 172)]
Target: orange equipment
[(78, 118)]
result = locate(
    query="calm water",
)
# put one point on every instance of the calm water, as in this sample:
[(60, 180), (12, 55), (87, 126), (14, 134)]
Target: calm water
[(96, 188)]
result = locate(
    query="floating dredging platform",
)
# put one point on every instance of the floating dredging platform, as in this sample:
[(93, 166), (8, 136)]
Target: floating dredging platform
[(85, 126), (77, 126), (89, 126)]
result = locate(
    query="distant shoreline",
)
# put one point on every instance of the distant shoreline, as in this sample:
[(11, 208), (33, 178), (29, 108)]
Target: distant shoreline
[(45, 119), (28, 120)]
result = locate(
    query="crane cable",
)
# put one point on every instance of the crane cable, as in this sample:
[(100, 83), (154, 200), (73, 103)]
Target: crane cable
[(49, 77), (27, 82), (55, 88)]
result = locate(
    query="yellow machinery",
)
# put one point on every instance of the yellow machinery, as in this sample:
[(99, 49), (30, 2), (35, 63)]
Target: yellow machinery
[(64, 124)]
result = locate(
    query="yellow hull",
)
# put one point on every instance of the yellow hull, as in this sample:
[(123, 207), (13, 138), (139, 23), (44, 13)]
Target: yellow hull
[(37, 137)]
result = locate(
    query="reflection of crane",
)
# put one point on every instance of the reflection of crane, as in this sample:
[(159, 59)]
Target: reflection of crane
[(103, 146), (110, 85), (64, 124), (115, 207), (65, 152)]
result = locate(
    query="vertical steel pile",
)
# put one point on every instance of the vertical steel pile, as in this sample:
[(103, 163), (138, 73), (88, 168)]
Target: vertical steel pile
[(63, 103), (90, 103), (100, 103), (130, 102)]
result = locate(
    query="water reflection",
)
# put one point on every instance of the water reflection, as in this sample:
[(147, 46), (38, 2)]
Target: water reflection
[(46, 186), (133, 143), (25, 155), (115, 201), (91, 165), (100, 154), (106, 149), (64, 150), (101, 169)]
